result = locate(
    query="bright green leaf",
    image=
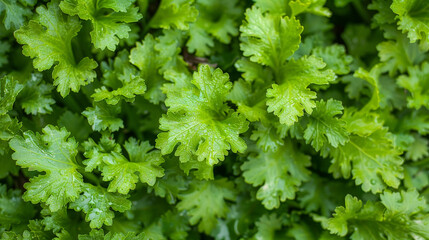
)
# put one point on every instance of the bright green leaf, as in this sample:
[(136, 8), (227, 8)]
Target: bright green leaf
[(103, 116), (395, 217), (177, 13), (96, 203), (55, 154), (417, 83), (123, 173), (324, 127), (200, 121), (48, 39), (109, 19), (269, 40), (291, 96)]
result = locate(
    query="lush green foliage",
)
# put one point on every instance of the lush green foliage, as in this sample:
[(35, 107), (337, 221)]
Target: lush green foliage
[(204, 119)]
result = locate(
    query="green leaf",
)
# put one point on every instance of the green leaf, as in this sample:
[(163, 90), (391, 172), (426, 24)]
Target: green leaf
[(217, 20), (63, 221), (250, 100), (99, 235), (266, 137), (199, 119), (35, 231), (48, 39), (76, 124), (103, 116), (109, 19), (399, 54), (397, 216), (279, 172), (174, 13), (412, 19), (175, 225), (372, 77), (14, 13), (269, 40), (168, 49), (54, 154), (418, 149), (384, 15), (391, 95), (122, 78), (9, 90), (96, 153), (372, 159), (172, 183), (200, 42), (293, 7), (324, 127), (417, 121), (36, 96), (96, 203), (267, 226), (200, 170), (310, 6), (149, 62), (362, 123), (417, 83), (205, 202), (291, 96), (13, 210), (154, 231), (252, 71), (9, 128), (335, 58), (9, 167), (123, 173)]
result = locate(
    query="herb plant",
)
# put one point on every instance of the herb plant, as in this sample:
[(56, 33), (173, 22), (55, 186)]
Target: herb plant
[(204, 119)]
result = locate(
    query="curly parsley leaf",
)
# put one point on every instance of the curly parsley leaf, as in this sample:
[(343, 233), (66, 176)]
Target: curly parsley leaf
[(103, 116), (279, 172), (412, 19), (47, 39), (373, 160), (205, 202), (36, 96), (293, 7), (143, 165), (269, 40), (96, 203), (199, 119), (122, 78), (14, 13), (217, 20), (324, 127), (174, 13), (399, 215), (109, 19), (9, 90), (291, 96), (417, 82), (53, 153)]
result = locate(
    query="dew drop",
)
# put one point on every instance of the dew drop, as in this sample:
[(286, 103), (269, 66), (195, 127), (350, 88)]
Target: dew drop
[(373, 181)]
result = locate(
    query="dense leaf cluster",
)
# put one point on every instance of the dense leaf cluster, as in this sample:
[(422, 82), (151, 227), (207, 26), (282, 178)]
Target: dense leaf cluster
[(203, 119)]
